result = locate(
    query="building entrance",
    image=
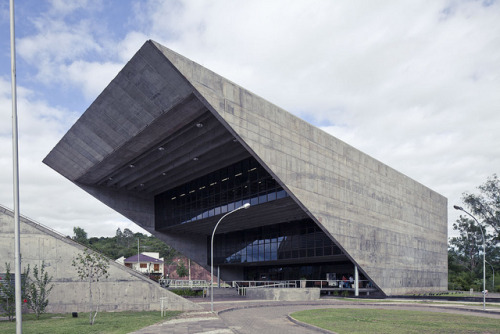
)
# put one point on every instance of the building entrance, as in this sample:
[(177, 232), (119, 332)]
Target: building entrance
[(316, 271)]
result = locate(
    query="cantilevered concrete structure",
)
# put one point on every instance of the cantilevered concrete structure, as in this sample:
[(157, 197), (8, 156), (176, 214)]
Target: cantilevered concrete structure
[(172, 146)]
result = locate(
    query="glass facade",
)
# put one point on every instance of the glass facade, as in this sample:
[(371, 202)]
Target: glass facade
[(217, 193), (301, 239), (296, 271)]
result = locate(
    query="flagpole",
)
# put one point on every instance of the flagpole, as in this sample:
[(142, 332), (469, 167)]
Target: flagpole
[(15, 160)]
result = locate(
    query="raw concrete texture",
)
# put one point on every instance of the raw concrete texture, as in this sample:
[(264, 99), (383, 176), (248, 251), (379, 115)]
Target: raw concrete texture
[(392, 227), (304, 294), (123, 290)]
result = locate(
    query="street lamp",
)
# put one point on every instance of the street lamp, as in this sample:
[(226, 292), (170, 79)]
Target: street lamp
[(456, 207), (244, 206)]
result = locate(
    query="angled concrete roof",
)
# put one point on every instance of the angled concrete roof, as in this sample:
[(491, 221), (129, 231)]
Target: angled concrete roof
[(165, 120)]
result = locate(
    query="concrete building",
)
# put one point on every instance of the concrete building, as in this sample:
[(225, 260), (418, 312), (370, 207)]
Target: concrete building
[(123, 290), (172, 146)]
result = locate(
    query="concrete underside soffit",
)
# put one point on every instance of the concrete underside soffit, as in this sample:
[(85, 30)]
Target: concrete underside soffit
[(171, 158)]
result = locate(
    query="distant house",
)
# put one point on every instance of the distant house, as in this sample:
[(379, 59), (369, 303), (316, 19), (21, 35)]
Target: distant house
[(147, 263)]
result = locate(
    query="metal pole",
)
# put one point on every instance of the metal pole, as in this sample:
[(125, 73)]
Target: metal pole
[(484, 273), (244, 206), (456, 207), (15, 160), (356, 281)]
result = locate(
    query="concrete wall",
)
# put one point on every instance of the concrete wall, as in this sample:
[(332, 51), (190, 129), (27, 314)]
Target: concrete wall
[(123, 290), (392, 227), (304, 294)]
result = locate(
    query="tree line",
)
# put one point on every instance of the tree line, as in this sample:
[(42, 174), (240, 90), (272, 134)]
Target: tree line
[(125, 243), (465, 251)]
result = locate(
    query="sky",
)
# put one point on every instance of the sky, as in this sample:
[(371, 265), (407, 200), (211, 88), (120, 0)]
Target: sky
[(414, 84)]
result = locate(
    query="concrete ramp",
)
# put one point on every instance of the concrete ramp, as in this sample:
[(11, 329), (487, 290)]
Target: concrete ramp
[(123, 290)]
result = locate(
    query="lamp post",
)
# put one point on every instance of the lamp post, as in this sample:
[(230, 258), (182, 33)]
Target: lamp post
[(456, 207), (244, 206)]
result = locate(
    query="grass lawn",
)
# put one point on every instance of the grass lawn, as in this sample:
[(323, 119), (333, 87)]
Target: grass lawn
[(416, 301), (106, 322), (393, 321)]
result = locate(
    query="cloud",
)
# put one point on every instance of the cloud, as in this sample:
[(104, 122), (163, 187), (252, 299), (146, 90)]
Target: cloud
[(91, 77), (70, 52), (44, 194), (62, 7), (413, 84)]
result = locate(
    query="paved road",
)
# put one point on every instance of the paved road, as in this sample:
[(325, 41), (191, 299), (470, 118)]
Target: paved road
[(263, 317), (261, 320), (190, 323)]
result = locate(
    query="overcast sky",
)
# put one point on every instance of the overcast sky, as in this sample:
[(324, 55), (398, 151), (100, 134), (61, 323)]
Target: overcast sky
[(415, 84)]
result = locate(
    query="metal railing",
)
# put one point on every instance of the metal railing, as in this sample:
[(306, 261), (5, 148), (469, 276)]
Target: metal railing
[(178, 283), (242, 286)]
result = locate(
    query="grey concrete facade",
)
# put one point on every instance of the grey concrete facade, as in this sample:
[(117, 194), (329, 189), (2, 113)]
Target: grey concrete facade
[(392, 227), (123, 290), (304, 294)]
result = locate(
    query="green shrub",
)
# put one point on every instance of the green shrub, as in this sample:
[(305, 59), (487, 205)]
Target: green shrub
[(187, 292)]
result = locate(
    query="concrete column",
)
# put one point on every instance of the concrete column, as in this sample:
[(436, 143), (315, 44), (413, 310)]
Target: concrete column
[(356, 281)]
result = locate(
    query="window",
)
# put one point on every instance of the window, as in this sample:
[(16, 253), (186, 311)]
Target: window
[(297, 239), (143, 265), (217, 193)]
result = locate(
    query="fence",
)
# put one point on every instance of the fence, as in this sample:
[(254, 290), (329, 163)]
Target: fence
[(178, 283), (328, 285)]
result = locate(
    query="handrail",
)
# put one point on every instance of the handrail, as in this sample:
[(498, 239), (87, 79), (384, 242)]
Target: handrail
[(183, 283), (321, 284)]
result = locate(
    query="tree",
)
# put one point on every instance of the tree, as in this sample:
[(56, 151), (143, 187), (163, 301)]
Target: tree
[(119, 237), (91, 267), (468, 244), (38, 289), (486, 204), (182, 270), (8, 291), (465, 250), (80, 235), (128, 237)]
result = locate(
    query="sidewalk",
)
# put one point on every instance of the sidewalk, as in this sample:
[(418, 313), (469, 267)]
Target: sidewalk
[(188, 323)]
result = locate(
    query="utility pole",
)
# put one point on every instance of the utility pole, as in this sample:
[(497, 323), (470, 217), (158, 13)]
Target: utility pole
[(15, 162)]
